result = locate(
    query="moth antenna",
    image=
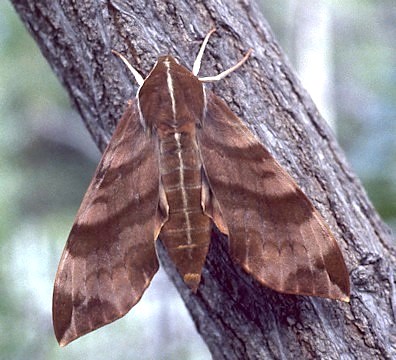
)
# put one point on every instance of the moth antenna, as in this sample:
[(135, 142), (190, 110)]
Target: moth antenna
[(223, 74), (139, 78), (197, 62)]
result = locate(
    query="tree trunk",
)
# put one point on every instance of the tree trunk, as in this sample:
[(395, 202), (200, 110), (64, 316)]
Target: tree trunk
[(238, 318)]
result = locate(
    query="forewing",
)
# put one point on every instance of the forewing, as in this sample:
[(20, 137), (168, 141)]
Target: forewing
[(275, 233), (109, 258)]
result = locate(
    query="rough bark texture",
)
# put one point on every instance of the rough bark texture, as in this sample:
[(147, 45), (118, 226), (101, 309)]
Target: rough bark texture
[(237, 317)]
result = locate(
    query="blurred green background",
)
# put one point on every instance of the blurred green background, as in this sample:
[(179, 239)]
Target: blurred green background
[(345, 53)]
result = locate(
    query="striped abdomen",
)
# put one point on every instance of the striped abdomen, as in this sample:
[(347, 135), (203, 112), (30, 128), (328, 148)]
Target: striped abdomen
[(186, 234)]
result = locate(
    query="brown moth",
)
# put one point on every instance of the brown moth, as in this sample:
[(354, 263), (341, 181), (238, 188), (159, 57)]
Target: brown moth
[(179, 163)]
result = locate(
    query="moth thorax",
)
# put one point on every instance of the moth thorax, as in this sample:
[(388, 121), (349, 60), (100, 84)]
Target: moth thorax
[(171, 97)]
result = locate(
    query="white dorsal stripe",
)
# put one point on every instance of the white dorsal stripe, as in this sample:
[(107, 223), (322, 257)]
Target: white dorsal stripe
[(183, 189), (179, 154), (169, 81)]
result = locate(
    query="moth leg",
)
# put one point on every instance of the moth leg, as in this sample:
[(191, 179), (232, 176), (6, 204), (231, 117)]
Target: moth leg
[(211, 206)]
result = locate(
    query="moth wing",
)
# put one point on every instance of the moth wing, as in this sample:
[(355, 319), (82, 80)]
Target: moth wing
[(275, 233), (109, 258)]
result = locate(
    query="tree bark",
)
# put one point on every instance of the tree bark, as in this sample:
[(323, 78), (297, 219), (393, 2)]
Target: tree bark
[(238, 318)]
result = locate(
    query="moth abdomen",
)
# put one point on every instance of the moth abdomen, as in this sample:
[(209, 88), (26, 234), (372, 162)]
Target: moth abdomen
[(186, 234)]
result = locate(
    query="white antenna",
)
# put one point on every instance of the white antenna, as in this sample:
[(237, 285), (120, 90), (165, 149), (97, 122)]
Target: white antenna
[(139, 78)]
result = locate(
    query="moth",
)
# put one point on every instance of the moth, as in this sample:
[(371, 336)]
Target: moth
[(179, 163)]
